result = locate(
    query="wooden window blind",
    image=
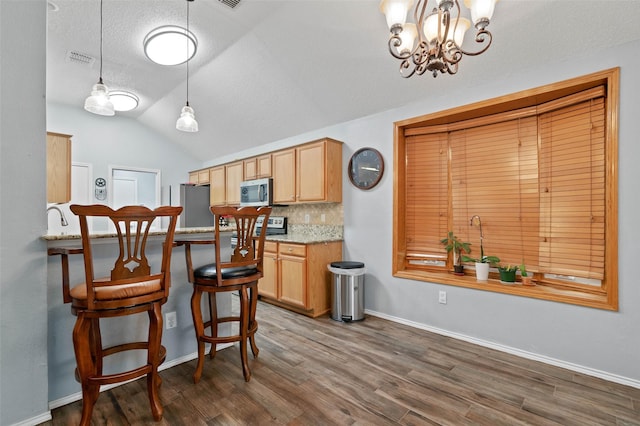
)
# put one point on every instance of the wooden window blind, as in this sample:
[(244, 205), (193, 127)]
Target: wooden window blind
[(495, 176), (427, 198), (540, 169), (572, 196)]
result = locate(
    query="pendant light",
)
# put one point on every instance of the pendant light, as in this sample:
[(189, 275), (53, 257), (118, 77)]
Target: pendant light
[(187, 121), (98, 102)]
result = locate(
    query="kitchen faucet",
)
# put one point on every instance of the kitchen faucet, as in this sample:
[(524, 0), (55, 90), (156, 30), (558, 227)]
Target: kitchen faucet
[(63, 220)]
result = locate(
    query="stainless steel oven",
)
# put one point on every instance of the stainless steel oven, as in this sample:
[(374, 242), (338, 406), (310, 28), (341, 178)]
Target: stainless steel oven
[(277, 225)]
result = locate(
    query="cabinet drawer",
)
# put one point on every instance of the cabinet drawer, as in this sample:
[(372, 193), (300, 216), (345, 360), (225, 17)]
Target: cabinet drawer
[(292, 249), (270, 246)]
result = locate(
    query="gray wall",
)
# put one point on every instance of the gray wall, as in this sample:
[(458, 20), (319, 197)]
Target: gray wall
[(23, 299), (600, 342)]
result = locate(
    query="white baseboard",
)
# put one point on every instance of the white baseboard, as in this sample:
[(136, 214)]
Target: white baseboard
[(41, 418), (78, 395), (514, 351)]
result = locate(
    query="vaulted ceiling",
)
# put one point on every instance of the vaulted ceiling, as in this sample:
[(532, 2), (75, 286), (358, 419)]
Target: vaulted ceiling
[(267, 69)]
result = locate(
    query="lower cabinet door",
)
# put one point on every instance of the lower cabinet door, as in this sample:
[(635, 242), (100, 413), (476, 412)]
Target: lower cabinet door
[(293, 281), (268, 285)]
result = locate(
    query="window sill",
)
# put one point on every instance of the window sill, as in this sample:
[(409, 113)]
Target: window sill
[(599, 299)]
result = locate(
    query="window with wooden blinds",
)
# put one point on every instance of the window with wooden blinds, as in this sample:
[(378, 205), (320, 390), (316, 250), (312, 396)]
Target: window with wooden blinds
[(426, 199), (572, 169), (538, 167)]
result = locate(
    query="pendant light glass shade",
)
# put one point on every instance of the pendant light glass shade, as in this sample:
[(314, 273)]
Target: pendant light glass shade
[(98, 102), (187, 121)]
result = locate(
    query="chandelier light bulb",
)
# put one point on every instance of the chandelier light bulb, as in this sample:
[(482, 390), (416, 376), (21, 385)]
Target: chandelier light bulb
[(395, 11)]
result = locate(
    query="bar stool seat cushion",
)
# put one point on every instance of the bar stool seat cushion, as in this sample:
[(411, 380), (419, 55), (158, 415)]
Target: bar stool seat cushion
[(121, 291), (209, 271)]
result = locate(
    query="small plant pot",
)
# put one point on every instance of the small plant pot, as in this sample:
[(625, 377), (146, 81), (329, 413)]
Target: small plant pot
[(508, 277), (528, 281), (482, 271), (458, 269)]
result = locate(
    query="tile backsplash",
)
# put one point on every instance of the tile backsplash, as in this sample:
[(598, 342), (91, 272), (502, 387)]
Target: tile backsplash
[(332, 213)]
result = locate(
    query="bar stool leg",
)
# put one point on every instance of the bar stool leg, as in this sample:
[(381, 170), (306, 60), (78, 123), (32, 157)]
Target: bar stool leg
[(253, 324), (153, 359), (86, 366), (244, 327), (196, 311), (213, 315)]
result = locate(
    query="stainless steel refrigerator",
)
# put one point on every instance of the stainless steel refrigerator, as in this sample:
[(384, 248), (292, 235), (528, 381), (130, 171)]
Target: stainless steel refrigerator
[(195, 202)]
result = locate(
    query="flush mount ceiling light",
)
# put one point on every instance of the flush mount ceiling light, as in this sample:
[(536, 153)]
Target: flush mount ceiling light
[(165, 45), (187, 120), (439, 30), (98, 102), (123, 100)]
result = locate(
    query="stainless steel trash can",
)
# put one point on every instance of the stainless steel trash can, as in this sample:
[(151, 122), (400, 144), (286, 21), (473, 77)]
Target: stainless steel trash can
[(347, 291)]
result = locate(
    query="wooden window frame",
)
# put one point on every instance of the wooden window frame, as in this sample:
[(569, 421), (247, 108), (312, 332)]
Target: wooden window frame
[(604, 296)]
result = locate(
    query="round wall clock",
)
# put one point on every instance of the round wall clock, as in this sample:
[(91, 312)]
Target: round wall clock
[(366, 168)]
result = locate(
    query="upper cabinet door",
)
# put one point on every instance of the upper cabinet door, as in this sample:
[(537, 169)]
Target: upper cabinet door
[(319, 172), (250, 168), (58, 168), (234, 176), (217, 186), (264, 166), (284, 176)]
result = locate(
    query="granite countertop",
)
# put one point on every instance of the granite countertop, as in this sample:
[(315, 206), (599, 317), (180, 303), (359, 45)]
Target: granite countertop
[(301, 234), (303, 238), (179, 231)]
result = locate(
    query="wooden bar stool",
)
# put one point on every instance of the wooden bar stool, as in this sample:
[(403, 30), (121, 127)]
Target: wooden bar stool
[(239, 273), (133, 287)]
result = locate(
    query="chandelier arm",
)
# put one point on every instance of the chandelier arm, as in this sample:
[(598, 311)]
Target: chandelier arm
[(394, 42), (406, 65), (483, 36)]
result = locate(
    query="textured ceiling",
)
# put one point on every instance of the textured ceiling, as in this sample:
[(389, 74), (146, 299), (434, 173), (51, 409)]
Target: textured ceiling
[(266, 70)]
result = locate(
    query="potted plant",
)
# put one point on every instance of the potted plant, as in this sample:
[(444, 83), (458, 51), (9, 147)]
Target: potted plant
[(453, 244), (482, 264), (526, 279), (508, 274)]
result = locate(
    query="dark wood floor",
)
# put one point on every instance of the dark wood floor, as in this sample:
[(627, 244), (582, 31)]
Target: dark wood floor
[(374, 372)]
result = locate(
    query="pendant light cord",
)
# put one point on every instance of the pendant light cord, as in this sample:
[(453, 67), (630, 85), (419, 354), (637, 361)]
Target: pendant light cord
[(101, 42), (187, 38)]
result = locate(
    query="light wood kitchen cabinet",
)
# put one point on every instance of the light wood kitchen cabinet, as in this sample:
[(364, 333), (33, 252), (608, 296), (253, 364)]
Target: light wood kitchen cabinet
[(268, 285), (58, 168), (234, 173), (308, 173), (284, 176), (199, 177), (319, 172), (296, 276), (264, 166), (217, 186), (257, 167), (250, 168)]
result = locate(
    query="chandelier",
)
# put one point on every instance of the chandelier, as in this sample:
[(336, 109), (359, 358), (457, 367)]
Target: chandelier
[(433, 42)]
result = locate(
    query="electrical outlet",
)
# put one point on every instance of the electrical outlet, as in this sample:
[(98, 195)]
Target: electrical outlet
[(306, 218), (442, 297), (323, 217), (171, 320)]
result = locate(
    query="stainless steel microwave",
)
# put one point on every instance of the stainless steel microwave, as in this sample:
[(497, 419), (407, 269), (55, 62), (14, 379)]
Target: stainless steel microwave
[(257, 192)]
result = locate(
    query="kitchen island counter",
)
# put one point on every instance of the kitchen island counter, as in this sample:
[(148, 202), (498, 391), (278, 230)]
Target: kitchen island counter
[(107, 234)]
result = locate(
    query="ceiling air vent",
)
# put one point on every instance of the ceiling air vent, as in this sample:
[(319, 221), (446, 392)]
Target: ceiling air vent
[(80, 58), (230, 3)]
